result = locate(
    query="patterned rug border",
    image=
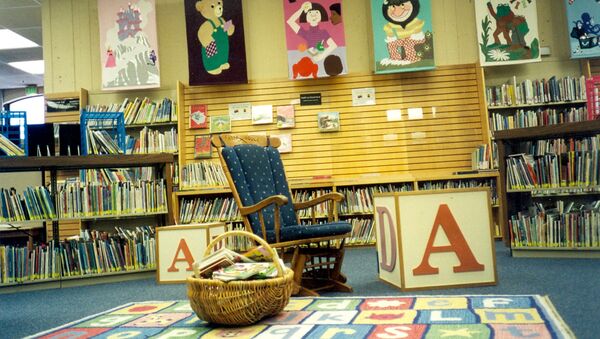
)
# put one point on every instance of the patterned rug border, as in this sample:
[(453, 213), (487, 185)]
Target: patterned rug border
[(549, 310)]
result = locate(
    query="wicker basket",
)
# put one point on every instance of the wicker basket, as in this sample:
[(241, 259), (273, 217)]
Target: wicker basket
[(240, 302)]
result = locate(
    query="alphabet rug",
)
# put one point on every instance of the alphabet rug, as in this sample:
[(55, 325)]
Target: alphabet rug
[(473, 316)]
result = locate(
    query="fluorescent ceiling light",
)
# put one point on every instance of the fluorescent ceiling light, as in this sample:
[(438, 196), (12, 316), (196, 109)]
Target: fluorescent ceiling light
[(12, 40), (33, 67)]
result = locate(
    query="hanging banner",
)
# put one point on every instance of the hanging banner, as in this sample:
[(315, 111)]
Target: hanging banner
[(315, 38), (402, 35), (215, 40), (582, 16), (507, 32), (128, 44)]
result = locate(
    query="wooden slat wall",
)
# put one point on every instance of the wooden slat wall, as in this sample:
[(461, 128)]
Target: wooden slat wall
[(453, 122)]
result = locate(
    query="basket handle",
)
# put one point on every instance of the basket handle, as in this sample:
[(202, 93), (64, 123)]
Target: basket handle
[(252, 236)]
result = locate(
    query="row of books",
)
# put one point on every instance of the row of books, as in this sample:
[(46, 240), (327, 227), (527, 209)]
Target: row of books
[(462, 183), (81, 200), (203, 174), (530, 118), (9, 148), (79, 257), (561, 145), (111, 175), (481, 158), (35, 203), (359, 200), (152, 141), (208, 210), (99, 141), (524, 171), (529, 92), (363, 231), (306, 195), (564, 225), (141, 110)]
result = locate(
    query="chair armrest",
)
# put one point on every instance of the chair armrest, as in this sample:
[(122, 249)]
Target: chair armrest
[(278, 200), (335, 196)]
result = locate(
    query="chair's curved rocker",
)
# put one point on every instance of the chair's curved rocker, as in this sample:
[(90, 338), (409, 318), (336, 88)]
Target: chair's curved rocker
[(259, 185)]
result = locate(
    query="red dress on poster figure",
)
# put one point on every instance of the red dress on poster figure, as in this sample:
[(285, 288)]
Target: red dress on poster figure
[(110, 59)]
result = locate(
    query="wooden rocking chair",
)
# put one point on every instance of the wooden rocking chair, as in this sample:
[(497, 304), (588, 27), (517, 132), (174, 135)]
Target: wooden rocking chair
[(257, 179)]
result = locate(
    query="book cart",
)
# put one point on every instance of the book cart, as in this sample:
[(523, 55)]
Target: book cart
[(64, 264)]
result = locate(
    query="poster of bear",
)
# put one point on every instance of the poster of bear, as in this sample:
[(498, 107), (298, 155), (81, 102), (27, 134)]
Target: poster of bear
[(402, 35), (215, 40), (128, 44), (315, 41), (507, 32), (582, 18)]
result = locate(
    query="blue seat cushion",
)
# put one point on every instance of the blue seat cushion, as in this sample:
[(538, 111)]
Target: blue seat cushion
[(300, 232)]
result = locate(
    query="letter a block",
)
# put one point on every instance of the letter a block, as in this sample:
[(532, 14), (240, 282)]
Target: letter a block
[(435, 239), (178, 247)]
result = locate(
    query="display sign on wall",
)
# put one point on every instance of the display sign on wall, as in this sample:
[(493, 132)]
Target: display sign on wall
[(507, 32), (215, 40), (128, 44), (584, 31), (402, 35), (315, 41)]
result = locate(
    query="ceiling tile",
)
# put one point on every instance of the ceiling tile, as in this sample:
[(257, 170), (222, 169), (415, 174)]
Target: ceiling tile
[(18, 3), (21, 17), (23, 54)]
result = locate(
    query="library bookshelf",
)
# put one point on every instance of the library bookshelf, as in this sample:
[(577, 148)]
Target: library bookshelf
[(63, 252), (549, 178)]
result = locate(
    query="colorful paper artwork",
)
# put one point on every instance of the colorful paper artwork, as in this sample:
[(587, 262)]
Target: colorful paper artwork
[(285, 116), (202, 147), (584, 29), (262, 114), (315, 38), (198, 116), (215, 40), (402, 35), (220, 124), (328, 121), (128, 44), (240, 111), (507, 32), (286, 142)]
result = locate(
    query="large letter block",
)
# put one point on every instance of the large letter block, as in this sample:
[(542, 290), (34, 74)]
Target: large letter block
[(178, 247), (435, 239)]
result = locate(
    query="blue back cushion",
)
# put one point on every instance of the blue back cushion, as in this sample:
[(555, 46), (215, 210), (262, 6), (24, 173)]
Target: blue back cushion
[(257, 174)]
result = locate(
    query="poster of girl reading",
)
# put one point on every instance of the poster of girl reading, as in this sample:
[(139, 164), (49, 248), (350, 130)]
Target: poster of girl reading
[(315, 38)]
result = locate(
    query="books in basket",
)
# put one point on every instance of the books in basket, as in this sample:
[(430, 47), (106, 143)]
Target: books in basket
[(246, 270), (221, 258)]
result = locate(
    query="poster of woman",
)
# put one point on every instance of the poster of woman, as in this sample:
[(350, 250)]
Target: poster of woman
[(583, 27), (315, 38), (402, 35)]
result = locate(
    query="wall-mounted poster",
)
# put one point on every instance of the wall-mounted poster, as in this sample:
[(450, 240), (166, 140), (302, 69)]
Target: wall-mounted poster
[(402, 35), (128, 44), (507, 32), (315, 38), (584, 31), (215, 39)]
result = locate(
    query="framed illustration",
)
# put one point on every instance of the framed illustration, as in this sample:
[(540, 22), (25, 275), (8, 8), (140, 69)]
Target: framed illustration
[(286, 142), (402, 35), (198, 116), (584, 31), (285, 116), (220, 124), (507, 32), (128, 44), (262, 114), (215, 40), (435, 239), (328, 121), (315, 40), (202, 147), (240, 111)]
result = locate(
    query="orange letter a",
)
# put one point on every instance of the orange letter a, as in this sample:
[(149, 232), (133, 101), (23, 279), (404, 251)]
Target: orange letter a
[(187, 257), (458, 245)]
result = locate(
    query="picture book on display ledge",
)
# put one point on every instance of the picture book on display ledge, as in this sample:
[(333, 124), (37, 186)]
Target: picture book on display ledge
[(402, 35), (202, 147), (215, 40), (507, 32), (198, 116), (583, 27), (128, 44), (315, 41)]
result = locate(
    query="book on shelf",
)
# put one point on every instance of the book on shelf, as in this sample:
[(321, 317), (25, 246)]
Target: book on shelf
[(9, 148), (531, 92)]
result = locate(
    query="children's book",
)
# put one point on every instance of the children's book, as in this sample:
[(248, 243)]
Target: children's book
[(285, 116), (220, 124), (198, 116), (262, 114), (328, 121), (202, 147)]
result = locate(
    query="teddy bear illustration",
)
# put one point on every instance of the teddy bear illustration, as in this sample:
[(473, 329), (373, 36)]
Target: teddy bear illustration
[(214, 36)]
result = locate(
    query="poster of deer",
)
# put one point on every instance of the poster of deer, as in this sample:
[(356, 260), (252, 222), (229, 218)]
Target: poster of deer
[(128, 44), (584, 30), (507, 32)]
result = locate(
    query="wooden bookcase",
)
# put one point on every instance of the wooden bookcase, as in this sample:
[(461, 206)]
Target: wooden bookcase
[(513, 201)]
